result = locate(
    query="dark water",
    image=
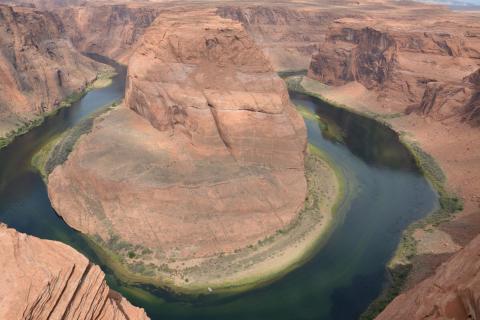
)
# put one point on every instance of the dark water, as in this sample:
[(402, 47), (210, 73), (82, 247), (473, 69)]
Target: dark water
[(337, 283)]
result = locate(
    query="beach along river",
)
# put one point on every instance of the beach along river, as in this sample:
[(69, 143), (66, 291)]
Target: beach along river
[(387, 193)]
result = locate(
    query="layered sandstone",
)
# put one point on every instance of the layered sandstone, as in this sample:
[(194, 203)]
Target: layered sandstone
[(453, 292), (288, 34), (405, 66), (207, 158), (108, 30), (43, 279), (38, 66)]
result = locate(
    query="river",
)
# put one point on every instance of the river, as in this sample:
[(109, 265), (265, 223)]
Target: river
[(338, 282)]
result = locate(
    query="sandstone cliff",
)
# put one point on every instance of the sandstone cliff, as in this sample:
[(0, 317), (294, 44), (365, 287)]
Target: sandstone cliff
[(108, 30), (43, 279), (287, 34), (453, 292), (407, 67), (211, 161), (38, 65)]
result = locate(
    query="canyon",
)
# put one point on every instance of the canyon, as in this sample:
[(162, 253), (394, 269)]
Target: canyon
[(205, 164)]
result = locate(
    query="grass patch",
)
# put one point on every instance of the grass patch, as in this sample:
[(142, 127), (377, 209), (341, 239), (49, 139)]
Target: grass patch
[(56, 151)]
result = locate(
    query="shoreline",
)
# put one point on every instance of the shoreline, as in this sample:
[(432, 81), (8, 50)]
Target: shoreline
[(400, 265), (268, 260), (102, 79)]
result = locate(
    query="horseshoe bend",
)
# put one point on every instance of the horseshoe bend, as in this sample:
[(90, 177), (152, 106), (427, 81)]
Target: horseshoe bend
[(245, 160), (204, 158)]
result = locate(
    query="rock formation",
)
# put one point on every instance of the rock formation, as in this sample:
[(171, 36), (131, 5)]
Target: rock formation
[(407, 67), (108, 30), (287, 34), (43, 279), (211, 161), (38, 65), (453, 292)]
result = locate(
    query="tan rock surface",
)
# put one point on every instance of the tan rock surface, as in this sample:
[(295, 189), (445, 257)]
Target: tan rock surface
[(38, 65), (211, 161), (43, 279)]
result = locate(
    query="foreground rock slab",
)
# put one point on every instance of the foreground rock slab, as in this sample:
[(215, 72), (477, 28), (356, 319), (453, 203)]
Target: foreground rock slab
[(43, 279)]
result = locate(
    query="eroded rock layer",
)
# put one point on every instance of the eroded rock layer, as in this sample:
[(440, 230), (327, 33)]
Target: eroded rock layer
[(206, 159), (108, 30), (422, 67), (43, 279), (38, 65)]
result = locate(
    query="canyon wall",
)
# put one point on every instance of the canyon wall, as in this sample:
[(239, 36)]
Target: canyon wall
[(38, 66), (407, 68), (205, 158), (288, 34), (43, 279), (108, 30)]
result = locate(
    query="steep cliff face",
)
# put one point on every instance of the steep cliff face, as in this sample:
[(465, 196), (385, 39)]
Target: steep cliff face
[(38, 65), (288, 35), (43, 279), (109, 30), (408, 70), (370, 59), (444, 100), (209, 158), (453, 292)]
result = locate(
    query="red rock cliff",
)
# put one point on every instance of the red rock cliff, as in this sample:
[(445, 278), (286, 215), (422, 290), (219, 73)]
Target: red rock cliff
[(38, 65), (43, 279)]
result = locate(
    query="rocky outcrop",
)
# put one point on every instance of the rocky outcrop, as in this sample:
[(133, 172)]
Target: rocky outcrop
[(453, 292), (442, 100), (206, 160), (38, 65), (108, 30), (43, 279), (369, 60), (408, 69)]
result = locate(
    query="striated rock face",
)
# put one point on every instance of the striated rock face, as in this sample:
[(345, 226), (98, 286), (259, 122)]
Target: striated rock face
[(207, 159), (38, 65), (407, 67), (370, 59), (453, 292), (442, 100), (43, 279), (109, 30), (288, 35)]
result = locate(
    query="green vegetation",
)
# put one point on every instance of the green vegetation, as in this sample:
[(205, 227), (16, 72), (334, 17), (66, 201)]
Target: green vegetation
[(21, 129), (56, 151), (290, 73)]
